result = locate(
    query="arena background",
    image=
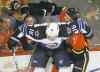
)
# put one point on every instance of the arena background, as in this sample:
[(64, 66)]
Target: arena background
[(90, 9)]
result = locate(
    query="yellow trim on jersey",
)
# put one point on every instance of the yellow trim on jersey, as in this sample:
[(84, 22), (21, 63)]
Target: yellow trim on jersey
[(85, 63), (85, 57), (76, 52)]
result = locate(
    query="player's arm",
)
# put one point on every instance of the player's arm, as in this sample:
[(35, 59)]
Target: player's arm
[(17, 36), (76, 39), (33, 39), (86, 30)]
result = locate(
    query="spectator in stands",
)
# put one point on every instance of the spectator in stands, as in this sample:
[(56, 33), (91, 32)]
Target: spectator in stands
[(1, 22), (62, 14), (6, 32)]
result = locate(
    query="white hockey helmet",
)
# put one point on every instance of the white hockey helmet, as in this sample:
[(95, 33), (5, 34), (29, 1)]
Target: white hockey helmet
[(52, 30)]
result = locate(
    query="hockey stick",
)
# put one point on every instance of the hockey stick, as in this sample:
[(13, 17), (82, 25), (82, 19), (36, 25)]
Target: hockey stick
[(14, 58), (31, 57)]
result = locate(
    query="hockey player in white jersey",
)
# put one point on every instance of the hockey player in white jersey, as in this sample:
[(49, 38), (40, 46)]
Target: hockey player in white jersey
[(50, 43)]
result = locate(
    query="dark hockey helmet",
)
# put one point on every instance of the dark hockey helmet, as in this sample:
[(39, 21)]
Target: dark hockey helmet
[(72, 12), (15, 5)]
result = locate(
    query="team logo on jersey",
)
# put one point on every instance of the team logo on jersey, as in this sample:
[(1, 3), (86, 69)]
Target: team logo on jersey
[(52, 45)]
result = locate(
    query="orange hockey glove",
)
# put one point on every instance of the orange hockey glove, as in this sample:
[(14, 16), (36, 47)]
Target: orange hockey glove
[(78, 42)]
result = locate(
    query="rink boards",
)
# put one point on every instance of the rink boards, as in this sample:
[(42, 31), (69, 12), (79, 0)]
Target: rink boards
[(7, 63)]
